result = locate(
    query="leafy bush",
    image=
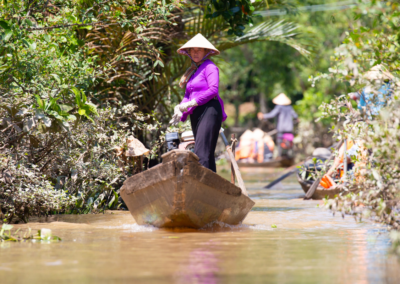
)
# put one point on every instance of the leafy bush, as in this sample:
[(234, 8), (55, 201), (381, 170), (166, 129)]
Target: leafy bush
[(57, 149), (68, 168)]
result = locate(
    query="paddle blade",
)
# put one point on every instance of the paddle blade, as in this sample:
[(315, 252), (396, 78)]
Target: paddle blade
[(312, 189), (271, 184)]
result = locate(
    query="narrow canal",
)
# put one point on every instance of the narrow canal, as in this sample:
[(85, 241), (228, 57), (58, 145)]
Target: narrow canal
[(308, 245)]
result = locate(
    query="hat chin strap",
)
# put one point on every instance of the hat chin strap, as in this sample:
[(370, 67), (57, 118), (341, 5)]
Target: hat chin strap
[(188, 54)]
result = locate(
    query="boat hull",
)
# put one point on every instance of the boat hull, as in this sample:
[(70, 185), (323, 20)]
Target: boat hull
[(182, 193)]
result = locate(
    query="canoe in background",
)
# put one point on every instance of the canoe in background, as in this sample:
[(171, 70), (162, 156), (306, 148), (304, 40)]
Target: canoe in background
[(182, 193), (320, 192)]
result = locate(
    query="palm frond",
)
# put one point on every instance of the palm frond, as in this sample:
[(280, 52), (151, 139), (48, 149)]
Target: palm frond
[(280, 31)]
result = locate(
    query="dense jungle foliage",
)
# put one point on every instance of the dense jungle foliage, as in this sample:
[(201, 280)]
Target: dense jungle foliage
[(62, 65)]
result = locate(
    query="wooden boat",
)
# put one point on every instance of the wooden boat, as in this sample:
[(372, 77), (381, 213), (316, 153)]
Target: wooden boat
[(320, 192), (276, 163), (182, 193)]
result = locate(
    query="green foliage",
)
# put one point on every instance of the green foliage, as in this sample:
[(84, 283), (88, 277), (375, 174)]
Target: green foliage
[(237, 13), (85, 108), (74, 170), (57, 148)]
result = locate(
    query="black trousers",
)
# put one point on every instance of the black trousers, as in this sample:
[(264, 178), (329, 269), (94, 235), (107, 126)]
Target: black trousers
[(206, 121)]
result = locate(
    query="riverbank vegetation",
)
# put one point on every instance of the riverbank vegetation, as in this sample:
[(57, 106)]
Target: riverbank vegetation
[(63, 63), (373, 46)]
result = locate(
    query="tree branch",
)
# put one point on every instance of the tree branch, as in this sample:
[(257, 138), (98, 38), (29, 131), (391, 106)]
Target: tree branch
[(66, 26)]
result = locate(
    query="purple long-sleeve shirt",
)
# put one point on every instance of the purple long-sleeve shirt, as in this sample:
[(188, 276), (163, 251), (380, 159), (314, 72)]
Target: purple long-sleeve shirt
[(203, 86)]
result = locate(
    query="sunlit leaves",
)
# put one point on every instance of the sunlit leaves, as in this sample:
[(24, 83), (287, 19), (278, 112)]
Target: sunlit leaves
[(237, 14), (85, 108)]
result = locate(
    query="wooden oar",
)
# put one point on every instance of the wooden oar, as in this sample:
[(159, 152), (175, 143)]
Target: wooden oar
[(234, 164), (289, 171), (314, 186)]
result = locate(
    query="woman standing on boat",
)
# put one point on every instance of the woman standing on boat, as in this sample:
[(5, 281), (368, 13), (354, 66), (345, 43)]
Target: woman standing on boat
[(202, 101)]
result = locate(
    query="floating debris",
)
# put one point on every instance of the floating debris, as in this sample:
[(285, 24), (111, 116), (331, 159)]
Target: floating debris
[(42, 235)]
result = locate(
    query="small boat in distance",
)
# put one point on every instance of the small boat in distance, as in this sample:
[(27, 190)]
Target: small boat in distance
[(321, 192), (321, 155), (182, 193)]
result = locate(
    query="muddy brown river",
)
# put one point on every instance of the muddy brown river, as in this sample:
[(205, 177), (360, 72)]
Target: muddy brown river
[(308, 245)]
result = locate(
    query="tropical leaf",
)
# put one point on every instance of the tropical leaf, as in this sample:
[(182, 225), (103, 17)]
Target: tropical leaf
[(280, 31)]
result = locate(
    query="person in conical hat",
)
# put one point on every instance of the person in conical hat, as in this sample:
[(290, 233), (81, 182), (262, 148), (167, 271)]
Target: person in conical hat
[(201, 101), (376, 94), (285, 115), (282, 100)]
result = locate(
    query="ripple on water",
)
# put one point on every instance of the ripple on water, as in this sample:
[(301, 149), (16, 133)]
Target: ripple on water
[(221, 226), (133, 228)]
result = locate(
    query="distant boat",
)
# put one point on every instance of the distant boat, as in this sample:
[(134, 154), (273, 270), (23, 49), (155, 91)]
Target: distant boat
[(182, 193), (305, 181), (321, 192), (276, 163)]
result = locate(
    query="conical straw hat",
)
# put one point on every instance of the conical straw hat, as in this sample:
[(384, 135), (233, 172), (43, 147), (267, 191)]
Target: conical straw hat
[(378, 73), (282, 100), (198, 41)]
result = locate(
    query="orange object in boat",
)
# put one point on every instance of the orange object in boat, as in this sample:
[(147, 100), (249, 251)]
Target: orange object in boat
[(325, 182)]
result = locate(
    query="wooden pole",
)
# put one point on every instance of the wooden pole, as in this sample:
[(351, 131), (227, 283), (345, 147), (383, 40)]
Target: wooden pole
[(140, 164), (234, 164), (233, 151)]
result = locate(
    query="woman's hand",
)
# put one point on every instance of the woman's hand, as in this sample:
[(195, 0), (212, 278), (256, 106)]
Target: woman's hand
[(184, 106), (177, 116), (260, 116)]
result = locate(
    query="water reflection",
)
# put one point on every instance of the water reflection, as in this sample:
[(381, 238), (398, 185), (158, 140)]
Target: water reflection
[(201, 268)]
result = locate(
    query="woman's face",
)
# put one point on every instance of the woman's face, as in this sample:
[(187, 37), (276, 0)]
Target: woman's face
[(197, 54)]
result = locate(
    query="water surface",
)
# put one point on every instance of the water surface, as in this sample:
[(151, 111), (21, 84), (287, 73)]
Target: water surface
[(308, 245)]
